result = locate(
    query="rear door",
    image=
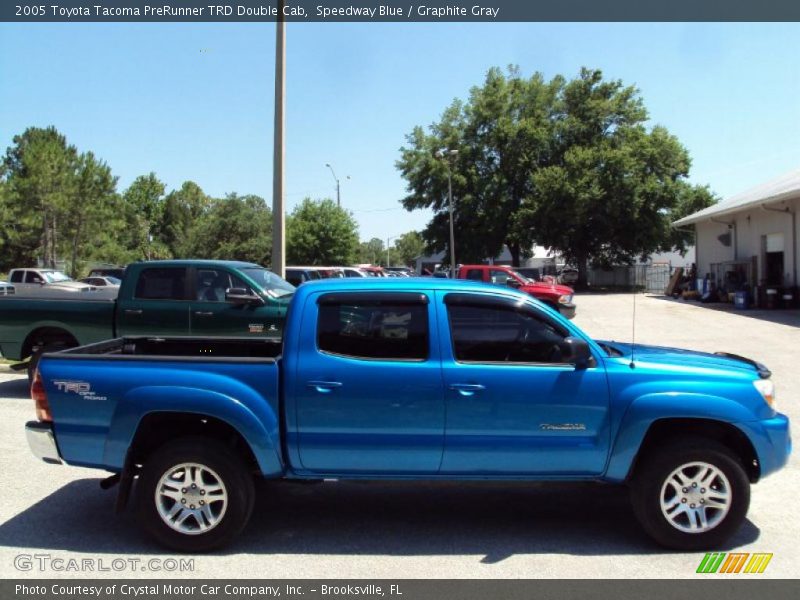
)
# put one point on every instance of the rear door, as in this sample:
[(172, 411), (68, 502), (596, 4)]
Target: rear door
[(368, 387), (214, 316), (159, 304), (514, 406)]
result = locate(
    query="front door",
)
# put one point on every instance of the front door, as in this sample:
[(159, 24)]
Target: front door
[(368, 386), (214, 316), (514, 406)]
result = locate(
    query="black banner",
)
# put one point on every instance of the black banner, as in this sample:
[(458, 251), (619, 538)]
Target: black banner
[(400, 589), (398, 10)]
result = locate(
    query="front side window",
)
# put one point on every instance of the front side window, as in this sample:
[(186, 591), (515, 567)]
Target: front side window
[(475, 274), (33, 277), (499, 333), (499, 277), (164, 283), (213, 284), (373, 328)]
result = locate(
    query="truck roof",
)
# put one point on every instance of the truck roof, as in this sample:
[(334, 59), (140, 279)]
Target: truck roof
[(203, 262), (399, 284)]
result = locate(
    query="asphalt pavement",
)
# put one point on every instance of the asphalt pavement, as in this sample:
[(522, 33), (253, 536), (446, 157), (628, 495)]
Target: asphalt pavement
[(55, 521)]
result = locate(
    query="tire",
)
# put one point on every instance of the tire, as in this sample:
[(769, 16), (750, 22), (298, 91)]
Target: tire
[(207, 463), (664, 474), (36, 355)]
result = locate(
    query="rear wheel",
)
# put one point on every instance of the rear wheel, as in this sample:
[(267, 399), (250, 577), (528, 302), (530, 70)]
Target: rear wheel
[(691, 495), (195, 495)]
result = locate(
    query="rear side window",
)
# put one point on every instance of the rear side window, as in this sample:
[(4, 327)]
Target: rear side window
[(16, 276), (394, 327), (164, 283)]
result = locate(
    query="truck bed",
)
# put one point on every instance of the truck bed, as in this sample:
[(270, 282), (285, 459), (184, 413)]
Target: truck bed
[(100, 393)]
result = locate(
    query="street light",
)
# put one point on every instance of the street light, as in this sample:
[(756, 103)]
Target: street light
[(450, 154), (336, 179)]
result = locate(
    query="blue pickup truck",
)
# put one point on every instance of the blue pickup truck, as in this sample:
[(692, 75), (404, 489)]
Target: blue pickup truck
[(410, 379)]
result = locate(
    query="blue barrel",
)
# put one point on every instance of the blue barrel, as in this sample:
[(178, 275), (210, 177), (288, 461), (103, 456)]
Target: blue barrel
[(740, 301)]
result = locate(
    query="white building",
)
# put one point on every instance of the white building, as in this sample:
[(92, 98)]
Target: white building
[(750, 238)]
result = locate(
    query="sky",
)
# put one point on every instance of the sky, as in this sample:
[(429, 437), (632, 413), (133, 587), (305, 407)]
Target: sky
[(195, 101)]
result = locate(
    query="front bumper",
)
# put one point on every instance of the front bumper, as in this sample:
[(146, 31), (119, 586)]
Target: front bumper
[(567, 310), (42, 442)]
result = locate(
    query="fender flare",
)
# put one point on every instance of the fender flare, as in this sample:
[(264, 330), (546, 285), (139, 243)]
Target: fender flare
[(260, 431), (649, 408)]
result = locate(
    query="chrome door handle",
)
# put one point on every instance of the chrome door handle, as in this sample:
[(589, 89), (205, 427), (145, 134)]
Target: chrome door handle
[(324, 387), (203, 313), (467, 389), (133, 311)]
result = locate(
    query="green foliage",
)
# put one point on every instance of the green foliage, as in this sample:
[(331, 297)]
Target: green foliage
[(321, 233), (407, 248), (372, 252), (145, 206), (564, 164), (182, 209), (233, 228)]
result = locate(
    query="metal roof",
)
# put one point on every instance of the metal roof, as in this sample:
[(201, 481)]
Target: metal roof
[(785, 187)]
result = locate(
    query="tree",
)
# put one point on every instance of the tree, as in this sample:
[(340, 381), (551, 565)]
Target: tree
[(500, 135), (92, 208), (39, 174), (321, 233), (182, 210), (372, 252), (145, 198), (407, 248), (233, 228), (568, 165), (611, 188)]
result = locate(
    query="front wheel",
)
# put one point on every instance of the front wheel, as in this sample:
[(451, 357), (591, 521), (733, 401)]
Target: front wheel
[(691, 495), (195, 495)]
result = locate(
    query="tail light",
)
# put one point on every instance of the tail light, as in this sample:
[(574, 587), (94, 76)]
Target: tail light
[(39, 397)]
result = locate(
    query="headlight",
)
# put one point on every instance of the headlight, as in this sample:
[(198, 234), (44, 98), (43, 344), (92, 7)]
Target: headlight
[(565, 299), (766, 388)]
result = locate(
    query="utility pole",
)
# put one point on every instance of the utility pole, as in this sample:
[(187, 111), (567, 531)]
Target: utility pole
[(447, 155), (279, 150)]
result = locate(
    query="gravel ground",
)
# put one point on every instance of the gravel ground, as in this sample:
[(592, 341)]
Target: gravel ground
[(405, 530)]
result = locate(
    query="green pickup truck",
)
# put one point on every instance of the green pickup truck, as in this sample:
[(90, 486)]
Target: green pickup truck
[(206, 298)]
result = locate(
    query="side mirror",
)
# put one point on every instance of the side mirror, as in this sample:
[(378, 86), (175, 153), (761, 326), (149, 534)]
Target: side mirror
[(242, 296), (510, 282), (576, 351)]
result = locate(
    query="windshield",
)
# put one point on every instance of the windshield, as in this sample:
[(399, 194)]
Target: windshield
[(113, 280), (270, 284), (55, 276)]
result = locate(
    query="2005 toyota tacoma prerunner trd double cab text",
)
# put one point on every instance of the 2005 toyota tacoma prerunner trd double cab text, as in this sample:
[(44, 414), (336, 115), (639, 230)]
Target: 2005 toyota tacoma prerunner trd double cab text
[(410, 379)]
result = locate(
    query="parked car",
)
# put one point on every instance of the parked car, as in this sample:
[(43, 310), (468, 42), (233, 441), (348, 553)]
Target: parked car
[(118, 272), (568, 276), (405, 271), (372, 270), (26, 281), (299, 275), (353, 272), (6, 289), (558, 297), (181, 297), (410, 380), (102, 281)]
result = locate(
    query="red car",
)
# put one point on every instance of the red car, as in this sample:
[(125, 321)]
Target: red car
[(557, 296)]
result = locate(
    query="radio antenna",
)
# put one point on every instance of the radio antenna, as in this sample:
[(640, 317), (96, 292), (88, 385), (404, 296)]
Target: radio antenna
[(633, 328)]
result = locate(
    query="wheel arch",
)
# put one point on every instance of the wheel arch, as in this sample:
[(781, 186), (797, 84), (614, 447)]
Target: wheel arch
[(663, 430)]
